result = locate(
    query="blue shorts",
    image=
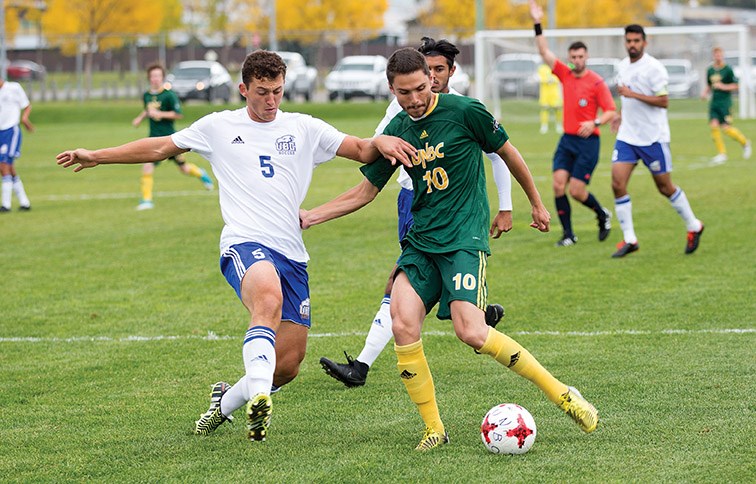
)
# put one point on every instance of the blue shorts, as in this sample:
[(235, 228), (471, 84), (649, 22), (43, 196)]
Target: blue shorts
[(656, 157), (404, 210), (295, 288), (10, 144), (579, 156)]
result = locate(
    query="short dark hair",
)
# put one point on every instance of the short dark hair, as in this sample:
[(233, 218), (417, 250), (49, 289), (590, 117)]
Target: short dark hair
[(635, 29), (262, 64), (430, 47), (576, 46), (406, 61), (153, 66)]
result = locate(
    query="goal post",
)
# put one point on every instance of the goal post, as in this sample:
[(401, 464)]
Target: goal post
[(693, 43)]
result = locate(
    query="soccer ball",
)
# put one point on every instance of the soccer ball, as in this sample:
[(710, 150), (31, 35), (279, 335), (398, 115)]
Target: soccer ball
[(508, 429)]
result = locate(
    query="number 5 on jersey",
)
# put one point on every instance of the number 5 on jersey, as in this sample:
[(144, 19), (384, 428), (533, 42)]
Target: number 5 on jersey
[(266, 167)]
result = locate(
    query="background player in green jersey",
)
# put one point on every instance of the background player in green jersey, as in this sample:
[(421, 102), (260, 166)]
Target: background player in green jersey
[(162, 106), (444, 254), (720, 83)]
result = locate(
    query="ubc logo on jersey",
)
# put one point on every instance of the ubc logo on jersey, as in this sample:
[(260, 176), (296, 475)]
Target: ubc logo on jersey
[(286, 146), (304, 309), (428, 154), (582, 102)]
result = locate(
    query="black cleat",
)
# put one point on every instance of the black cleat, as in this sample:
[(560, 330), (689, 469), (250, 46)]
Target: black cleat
[(4, 209), (693, 239), (25, 208), (623, 248), (604, 224), (494, 313), (566, 241), (353, 373)]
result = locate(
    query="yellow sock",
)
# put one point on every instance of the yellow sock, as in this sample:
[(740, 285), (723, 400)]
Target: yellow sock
[(145, 184), (735, 134), (716, 135), (416, 376), (544, 117), (193, 170), (511, 354)]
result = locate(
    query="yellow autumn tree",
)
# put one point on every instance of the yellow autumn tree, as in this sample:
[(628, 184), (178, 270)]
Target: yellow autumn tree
[(99, 25), (458, 16)]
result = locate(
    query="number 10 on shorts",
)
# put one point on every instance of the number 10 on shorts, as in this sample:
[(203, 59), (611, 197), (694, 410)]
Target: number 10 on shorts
[(467, 281)]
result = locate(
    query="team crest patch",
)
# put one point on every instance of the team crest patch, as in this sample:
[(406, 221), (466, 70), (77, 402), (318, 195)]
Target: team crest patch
[(582, 102), (304, 309), (655, 165), (286, 145), (496, 126)]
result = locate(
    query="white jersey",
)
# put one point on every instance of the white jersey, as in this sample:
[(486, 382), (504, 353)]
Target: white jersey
[(499, 167), (263, 172), (13, 100), (643, 124)]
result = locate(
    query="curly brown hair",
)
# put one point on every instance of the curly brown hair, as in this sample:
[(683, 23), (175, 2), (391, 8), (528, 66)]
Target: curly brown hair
[(262, 64)]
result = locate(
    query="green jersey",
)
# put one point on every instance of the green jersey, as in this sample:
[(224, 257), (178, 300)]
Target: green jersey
[(165, 100), (450, 202), (724, 75)]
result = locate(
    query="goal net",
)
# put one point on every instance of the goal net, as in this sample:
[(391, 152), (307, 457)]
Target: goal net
[(506, 60)]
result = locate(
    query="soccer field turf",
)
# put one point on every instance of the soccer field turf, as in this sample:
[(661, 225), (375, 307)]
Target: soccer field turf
[(116, 322)]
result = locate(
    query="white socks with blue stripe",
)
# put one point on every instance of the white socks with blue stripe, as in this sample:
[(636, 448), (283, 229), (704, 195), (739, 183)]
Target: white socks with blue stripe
[(259, 352), (379, 335)]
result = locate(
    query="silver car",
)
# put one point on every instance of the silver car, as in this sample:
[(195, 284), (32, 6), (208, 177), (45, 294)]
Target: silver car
[(301, 79), (517, 74), (684, 81), (207, 80), (460, 81), (607, 68), (358, 75)]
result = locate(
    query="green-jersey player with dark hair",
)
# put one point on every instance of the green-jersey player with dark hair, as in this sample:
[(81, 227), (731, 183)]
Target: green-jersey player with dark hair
[(444, 255), (720, 83)]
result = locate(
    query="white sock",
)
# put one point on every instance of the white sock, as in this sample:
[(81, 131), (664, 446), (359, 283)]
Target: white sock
[(7, 191), (379, 335), (259, 353), (623, 207), (680, 203), (18, 188), (235, 397)]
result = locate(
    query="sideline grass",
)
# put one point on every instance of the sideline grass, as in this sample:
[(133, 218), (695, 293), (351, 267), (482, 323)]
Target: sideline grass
[(645, 338)]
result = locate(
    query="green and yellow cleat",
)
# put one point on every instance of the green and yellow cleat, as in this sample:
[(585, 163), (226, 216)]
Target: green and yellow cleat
[(258, 417), (583, 413), (432, 439), (213, 418)]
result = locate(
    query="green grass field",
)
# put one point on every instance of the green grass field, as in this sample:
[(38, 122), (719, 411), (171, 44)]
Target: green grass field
[(115, 323)]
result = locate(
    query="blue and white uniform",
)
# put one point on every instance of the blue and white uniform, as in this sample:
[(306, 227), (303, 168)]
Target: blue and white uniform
[(13, 101), (263, 172)]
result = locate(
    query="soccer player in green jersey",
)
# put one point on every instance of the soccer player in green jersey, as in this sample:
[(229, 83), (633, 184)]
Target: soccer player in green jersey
[(444, 255), (162, 106), (720, 83)]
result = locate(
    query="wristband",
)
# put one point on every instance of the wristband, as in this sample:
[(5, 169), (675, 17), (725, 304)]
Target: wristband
[(538, 30)]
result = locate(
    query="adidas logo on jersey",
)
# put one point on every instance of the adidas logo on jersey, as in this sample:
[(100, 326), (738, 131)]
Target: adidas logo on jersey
[(423, 135), (237, 141)]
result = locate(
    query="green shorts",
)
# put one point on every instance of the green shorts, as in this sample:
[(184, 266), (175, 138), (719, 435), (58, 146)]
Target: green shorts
[(720, 112), (447, 277)]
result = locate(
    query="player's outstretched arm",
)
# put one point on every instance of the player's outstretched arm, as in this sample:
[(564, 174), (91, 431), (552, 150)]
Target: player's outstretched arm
[(346, 203), (138, 120), (502, 222), (145, 150), (536, 13), (520, 171), (368, 150)]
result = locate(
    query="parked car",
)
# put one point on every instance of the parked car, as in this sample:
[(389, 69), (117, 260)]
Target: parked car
[(733, 59), (200, 79), (684, 81), (460, 81), (300, 78), (358, 75), (517, 74), (607, 68), (25, 70)]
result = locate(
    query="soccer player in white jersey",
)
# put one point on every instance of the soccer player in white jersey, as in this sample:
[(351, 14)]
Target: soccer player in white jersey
[(14, 108), (439, 56), (643, 134), (263, 160)]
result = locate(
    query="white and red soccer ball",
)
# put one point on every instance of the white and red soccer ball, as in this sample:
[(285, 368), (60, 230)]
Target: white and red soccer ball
[(508, 429)]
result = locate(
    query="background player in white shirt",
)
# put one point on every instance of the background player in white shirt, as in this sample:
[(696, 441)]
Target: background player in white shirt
[(643, 134), (439, 56), (14, 108), (263, 160)]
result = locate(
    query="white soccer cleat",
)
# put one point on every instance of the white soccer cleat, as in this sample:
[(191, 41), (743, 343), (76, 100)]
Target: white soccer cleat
[(747, 150), (145, 205), (719, 159)]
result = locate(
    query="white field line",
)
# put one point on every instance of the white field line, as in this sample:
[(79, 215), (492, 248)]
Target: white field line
[(118, 196), (214, 337)]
